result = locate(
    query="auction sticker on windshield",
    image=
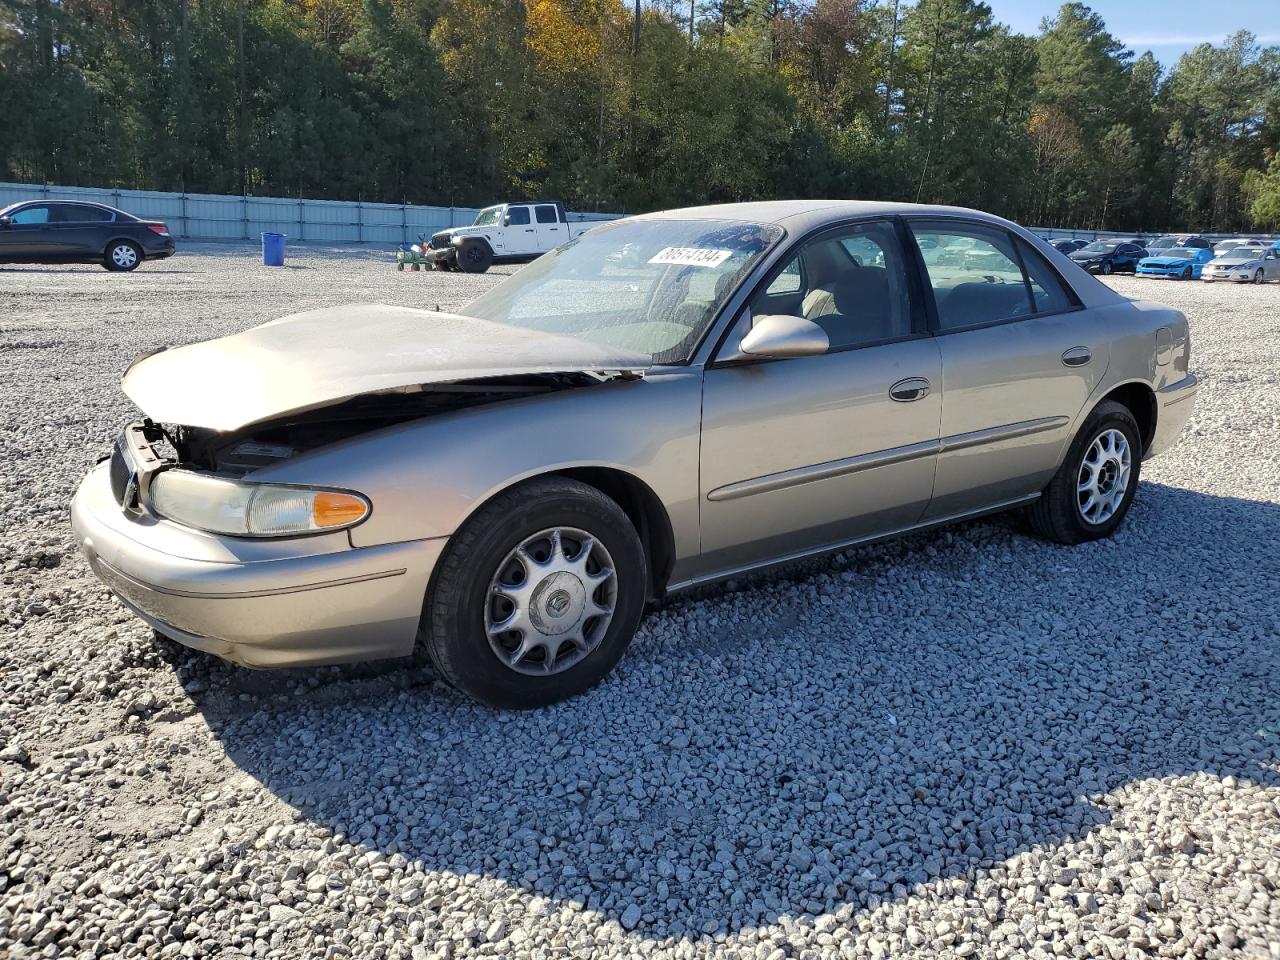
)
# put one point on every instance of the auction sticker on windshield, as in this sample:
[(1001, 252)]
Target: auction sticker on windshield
[(691, 256)]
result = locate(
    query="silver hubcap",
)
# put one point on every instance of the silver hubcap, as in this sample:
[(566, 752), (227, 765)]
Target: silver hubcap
[(124, 256), (550, 601), (1104, 477)]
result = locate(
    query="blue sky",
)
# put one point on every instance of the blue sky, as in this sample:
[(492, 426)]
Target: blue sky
[(1168, 28)]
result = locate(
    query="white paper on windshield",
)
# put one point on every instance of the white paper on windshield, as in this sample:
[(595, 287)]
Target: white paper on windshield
[(692, 256)]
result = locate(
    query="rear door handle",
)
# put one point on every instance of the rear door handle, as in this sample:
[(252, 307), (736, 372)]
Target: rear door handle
[(1077, 356), (912, 388)]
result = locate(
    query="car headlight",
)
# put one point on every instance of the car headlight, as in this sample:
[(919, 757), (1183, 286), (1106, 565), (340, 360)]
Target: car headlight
[(241, 509)]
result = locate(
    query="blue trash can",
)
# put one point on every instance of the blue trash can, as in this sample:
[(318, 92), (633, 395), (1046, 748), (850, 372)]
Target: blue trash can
[(273, 249)]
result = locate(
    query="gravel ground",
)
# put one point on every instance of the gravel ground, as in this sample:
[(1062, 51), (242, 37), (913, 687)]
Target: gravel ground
[(963, 744)]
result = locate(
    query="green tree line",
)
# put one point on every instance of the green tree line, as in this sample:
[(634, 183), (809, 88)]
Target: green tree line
[(633, 106)]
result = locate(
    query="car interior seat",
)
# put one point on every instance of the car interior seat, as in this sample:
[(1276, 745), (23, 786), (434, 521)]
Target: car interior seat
[(854, 306)]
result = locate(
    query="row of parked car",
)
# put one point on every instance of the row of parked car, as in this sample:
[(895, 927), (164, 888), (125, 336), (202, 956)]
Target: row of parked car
[(1182, 257)]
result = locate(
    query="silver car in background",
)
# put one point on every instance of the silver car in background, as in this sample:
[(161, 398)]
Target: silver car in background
[(1244, 264), (668, 400)]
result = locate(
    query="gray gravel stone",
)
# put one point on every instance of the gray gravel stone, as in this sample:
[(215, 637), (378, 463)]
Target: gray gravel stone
[(964, 743)]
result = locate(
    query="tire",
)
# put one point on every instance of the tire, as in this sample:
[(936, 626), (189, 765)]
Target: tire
[(1257, 276), (122, 256), (1108, 269), (463, 612), (474, 256), (1186, 273), (1059, 514)]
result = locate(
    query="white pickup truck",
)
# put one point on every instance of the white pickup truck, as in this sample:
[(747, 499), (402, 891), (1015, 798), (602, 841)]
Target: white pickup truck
[(506, 233)]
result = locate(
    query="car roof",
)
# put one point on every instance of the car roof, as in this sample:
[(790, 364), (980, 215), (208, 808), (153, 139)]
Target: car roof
[(74, 203), (800, 215)]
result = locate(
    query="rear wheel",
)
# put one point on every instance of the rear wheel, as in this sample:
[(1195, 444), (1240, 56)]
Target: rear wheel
[(122, 256), (474, 256), (1091, 493), (537, 596)]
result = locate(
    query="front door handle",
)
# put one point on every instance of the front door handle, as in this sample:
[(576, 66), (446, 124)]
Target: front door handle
[(1077, 356), (912, 388)]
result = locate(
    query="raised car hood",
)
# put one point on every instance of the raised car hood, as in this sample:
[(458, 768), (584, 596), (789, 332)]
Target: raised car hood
[(323, 357)]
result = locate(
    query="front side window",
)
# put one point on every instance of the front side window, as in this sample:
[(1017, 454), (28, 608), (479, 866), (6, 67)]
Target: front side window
[(980, 281), (646, 286), (789, 281), (852, 283), (36, 214), (518, 216), (546, 214)]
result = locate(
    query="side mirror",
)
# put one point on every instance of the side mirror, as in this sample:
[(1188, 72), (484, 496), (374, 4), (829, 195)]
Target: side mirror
[(6, 221), (778, 336), (506, 219)]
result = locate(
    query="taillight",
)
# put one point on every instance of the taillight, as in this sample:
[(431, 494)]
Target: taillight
[(159, 228)]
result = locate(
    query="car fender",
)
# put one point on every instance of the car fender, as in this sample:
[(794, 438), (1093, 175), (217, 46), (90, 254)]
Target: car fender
[(124, 236), (424, 478), (493, 240), (459, 241)]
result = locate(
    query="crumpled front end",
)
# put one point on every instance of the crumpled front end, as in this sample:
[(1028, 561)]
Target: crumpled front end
[(261, 603)]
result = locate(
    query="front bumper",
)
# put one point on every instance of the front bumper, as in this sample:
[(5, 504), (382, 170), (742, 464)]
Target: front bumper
[(1163, 271), (1239, 276), (1176, 401), (259, 603)]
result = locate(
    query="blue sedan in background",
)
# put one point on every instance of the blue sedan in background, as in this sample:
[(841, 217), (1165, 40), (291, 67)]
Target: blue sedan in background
[(1182, 263)]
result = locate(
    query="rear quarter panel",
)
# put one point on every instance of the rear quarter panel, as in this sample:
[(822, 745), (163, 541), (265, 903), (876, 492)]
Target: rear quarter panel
[(1150, 344)]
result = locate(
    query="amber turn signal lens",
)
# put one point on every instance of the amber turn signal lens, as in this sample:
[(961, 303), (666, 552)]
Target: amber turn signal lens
[(336, 509)]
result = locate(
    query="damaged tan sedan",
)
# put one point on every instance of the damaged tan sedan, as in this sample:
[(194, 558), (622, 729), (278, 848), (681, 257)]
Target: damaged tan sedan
[(664, 401)]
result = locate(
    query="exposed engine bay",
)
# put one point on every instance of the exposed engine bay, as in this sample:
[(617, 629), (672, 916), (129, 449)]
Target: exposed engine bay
[(237, 453)]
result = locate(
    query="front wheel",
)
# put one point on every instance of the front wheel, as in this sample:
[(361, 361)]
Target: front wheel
[(122, 256), (1257, 275), (1108, 269), (474, 256), (1090, 494), (537, 596), (1186, 273)]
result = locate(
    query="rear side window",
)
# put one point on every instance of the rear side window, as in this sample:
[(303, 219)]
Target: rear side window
[(983, 275), (1047, 290), (975, 274), (75, 213), (519, 216), (545, 214)]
